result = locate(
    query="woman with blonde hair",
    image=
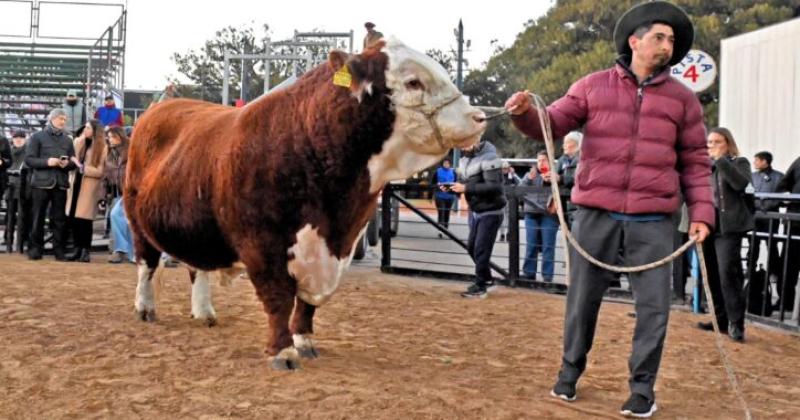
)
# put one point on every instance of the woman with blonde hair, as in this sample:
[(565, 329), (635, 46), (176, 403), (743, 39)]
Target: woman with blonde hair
[(730, 177), (85, 188)]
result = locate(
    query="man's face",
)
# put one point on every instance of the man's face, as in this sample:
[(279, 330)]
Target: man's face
[(541, 162), (655, 48), (760, 164), (109, 102), (570, 147), (59, 122), (18, 141), (446, 164)]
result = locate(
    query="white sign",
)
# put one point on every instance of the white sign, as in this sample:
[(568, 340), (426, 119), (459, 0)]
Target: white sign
[(697, 70)]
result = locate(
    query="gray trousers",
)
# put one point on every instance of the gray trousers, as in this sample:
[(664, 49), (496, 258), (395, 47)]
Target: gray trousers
[(640, 243)]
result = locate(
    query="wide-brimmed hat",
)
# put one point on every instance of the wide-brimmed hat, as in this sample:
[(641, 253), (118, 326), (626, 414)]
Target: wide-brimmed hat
[(656, 12)]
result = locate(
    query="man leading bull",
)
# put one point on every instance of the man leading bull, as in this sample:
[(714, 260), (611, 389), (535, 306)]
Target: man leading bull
[(644, 145)]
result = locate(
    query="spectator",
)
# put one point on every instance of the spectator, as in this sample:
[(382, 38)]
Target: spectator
[(109, 115), (114, 178), (786, 288), (5, 163), (443, 197), (86, 187), (49, 155), (627, 187), (510, 179), (482, 183), (372, 35), (17, 201), (765, 180), (567, 166), (541, 226), (729, 179), (76, 115)]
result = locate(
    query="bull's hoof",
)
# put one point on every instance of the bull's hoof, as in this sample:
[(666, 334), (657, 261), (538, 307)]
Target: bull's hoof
[(305, 346), (146, 315), (308, 352), (208, 321), (287, 359)]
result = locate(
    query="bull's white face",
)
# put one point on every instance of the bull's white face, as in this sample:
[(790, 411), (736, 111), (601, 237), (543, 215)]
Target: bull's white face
[(421, 86)]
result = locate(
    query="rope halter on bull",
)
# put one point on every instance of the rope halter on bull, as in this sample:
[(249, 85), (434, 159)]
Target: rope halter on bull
[(430, 114), (547, 134)]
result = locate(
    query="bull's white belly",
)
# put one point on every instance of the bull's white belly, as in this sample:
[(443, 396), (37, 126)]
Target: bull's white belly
[(316, 271)]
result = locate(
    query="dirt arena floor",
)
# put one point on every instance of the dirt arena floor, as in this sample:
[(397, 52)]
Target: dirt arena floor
[(392, 347)]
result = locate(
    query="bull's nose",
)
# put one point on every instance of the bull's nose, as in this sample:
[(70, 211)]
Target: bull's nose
[(478, 116)]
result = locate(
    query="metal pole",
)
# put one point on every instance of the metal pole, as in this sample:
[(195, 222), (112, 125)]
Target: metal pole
[(267, 66), (294, 63), (351, 41), (386, 231), (245, 79), (460, 41), (513, 236), (226, 74)]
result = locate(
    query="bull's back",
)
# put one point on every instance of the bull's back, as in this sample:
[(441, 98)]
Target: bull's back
[(175, 149)]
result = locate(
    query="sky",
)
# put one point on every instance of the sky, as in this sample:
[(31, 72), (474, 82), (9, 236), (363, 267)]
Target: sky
[(159, 28)]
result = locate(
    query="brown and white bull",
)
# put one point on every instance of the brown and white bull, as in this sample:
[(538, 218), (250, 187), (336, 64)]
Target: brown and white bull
[(285, 185)]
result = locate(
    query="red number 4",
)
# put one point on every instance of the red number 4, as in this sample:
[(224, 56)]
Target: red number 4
[(692, 74)]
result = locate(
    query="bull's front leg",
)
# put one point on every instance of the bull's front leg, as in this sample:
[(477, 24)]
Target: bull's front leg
[(145, 303), (302, 327), (202, 309), (277, 295)]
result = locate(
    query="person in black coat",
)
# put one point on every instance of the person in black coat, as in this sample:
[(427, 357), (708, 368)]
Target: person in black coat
[(48, 154), (730, 177), (786, 287), (5, 163)]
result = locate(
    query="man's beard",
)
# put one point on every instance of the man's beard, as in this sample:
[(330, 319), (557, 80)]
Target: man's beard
[(662, 59)]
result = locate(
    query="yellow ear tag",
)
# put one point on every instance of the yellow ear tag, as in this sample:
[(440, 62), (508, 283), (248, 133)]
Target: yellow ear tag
[(342, 77)]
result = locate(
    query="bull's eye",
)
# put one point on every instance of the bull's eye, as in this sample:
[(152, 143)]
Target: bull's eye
[(414, 84)]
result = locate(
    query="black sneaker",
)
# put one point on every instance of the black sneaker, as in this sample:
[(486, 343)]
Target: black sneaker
[(475, 291), (564, 391), (491, 285), (638, 406), (708, 326), (736, 333)]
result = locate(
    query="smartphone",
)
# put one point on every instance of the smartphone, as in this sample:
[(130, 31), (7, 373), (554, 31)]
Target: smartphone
[(64, 157), (544, 169)]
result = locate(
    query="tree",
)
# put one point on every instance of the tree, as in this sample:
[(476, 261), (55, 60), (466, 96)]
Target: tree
[(574, 38), (204, 67)]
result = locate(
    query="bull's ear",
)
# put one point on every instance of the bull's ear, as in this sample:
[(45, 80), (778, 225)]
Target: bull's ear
[(359, 68), (336, 59)]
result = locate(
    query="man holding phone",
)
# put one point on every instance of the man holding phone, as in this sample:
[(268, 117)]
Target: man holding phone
[(49, 154)]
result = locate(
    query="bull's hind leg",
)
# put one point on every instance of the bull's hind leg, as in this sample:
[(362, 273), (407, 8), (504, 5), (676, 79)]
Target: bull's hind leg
[(145, 303), (202, 309), (302, 327)]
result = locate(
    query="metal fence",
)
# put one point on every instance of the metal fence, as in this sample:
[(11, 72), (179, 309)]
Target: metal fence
[(420, 246)]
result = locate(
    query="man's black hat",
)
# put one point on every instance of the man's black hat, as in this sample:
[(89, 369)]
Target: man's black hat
[(656, 12)]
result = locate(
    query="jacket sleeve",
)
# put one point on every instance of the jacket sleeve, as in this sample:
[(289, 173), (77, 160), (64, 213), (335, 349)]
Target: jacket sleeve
[(566, 114), (96, 171), (567, 177), (32, 151), (735, 173), (787, 182), (694, 165), (71, 153), (492, 183), (120, 120), (5, 154)]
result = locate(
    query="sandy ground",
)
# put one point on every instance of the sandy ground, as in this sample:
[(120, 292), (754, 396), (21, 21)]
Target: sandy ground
[(392, 347)]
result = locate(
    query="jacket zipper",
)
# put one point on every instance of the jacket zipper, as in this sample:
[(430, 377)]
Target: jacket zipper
[(632, 148), (721, 202)]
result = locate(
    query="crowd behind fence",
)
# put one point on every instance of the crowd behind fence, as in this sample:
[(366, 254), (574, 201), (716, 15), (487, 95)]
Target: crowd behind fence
[(421, 246)]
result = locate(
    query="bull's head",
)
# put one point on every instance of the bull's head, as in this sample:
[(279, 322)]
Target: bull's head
[(431, 115)]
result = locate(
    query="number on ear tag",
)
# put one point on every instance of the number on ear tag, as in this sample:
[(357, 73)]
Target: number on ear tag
[(342, 77)]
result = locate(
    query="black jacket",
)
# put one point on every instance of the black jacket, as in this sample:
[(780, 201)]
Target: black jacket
[(729, 180), (483, 176), (5, 158), (44, 145), (791, 183)]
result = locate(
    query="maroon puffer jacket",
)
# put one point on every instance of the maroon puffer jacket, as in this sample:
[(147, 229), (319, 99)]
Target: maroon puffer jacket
[(642, 144)]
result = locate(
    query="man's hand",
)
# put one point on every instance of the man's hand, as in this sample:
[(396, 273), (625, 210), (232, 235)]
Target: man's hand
[(519, 103), (53, 162), (458, 188), (699, 231)]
